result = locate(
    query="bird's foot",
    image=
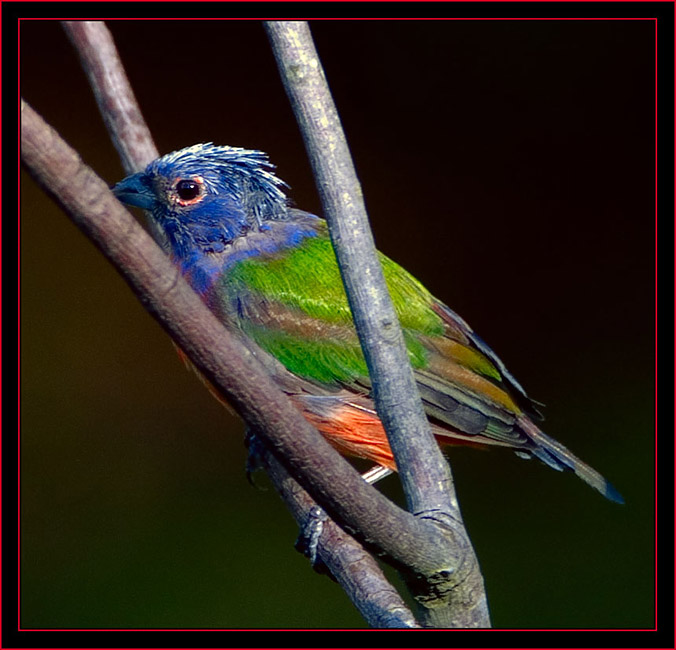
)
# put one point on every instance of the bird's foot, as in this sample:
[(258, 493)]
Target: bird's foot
[(253, 459), (311, 531), (308, 537)]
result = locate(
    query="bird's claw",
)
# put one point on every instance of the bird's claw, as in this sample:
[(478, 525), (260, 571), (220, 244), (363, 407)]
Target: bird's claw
[(253, 459), (308, 537)]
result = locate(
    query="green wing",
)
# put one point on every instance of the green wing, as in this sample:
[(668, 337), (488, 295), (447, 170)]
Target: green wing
[(293, 305)]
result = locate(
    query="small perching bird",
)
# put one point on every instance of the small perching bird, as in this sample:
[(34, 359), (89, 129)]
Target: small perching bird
[(268, 271)]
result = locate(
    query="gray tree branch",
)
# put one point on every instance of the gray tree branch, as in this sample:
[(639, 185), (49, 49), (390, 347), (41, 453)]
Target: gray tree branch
[(114, 95), (348, 561), (424, 472), (115, 98)]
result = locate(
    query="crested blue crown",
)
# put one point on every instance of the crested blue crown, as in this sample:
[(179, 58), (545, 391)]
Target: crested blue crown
[(245, 174)]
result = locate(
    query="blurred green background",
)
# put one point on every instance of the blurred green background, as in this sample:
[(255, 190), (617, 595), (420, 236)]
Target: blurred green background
[(508, 165)]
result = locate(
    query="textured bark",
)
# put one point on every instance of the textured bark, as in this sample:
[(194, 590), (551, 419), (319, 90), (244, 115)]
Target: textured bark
[(353, 567), (448, 598)]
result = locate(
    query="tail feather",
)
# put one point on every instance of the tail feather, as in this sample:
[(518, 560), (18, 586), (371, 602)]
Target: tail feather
[(558, 457)]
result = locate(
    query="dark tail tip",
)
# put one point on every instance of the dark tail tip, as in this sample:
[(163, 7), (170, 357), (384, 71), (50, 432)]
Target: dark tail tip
[(554, 454), (612, 494)]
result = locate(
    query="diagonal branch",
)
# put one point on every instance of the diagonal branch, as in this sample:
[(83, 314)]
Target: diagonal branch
[(115, 98), (403, 540), (353, 567), (114, 95), (367, 587)]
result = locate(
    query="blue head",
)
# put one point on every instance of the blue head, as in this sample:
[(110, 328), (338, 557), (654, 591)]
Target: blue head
[(205, 196)]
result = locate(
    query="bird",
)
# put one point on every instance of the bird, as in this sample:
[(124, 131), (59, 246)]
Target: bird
[(268, 271)]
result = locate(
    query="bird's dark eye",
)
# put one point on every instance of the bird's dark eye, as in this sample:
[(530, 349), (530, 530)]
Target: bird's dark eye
[(187, 190)]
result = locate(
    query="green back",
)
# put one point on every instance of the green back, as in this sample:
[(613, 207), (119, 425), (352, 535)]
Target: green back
[(293, 304), (296, 309)]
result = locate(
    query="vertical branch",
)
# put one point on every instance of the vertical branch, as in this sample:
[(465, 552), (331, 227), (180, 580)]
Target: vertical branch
[(425, 474)]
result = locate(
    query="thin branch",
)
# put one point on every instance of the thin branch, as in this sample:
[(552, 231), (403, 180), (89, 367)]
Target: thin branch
[(425, 474), (353, 567), (114, 95), (116, 100)]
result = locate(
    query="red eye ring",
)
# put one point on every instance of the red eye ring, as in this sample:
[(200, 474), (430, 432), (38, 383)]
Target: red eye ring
[(189, 191)]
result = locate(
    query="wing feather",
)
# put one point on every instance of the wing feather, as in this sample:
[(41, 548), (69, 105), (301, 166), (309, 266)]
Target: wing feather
[(293, 305)]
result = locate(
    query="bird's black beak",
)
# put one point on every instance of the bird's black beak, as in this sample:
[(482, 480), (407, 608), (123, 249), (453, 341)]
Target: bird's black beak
[(135, 190)]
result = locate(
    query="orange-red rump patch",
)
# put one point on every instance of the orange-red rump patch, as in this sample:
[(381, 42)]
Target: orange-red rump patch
[(353, 432)]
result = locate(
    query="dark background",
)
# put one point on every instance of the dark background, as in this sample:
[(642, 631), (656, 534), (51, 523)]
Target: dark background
[(508, 164)]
